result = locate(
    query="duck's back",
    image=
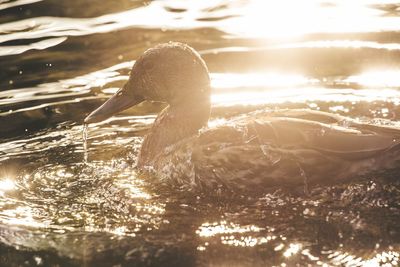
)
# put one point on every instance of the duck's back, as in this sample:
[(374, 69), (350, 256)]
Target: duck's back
[(278, 148)]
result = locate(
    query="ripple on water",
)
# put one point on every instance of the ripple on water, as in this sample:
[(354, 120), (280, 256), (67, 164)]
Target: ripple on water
[(77, 199), (62, 198)]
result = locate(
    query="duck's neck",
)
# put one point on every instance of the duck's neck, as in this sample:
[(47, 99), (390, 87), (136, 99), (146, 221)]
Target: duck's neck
[(173, 124)]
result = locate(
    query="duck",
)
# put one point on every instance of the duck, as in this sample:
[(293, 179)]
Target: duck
[(250, 152)]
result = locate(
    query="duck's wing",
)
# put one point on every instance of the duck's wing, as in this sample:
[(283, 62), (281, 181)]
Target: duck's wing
[(356, 141)]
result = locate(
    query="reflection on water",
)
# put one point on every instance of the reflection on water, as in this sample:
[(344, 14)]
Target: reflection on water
[(377, 79), (8, 3), (232, 234), (73, 198), (238, 80), (207, 230), (342, 44), (271, 18), (389, 258), (6, 184)]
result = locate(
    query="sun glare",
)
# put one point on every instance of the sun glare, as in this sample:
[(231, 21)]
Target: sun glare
[(231, 89), (237, 80), (382, 78), (6, 184), (290, 18), (292, 250)]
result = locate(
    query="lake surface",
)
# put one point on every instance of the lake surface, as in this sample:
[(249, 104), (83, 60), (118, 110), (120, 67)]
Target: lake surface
[(62, 205)]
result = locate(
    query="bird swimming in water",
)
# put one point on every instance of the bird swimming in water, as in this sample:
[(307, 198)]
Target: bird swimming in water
[(254, 151)]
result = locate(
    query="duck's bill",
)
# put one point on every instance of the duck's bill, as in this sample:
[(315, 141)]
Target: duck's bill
[(112, 106)]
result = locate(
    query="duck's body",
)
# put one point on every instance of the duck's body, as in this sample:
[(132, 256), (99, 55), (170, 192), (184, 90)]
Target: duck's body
[(277, 148), (254, 151)]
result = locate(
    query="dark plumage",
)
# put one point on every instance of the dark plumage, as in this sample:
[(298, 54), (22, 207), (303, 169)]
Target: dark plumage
[(250, 152)]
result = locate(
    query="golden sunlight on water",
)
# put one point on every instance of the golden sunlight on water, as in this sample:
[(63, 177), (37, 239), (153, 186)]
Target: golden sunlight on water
[(66, 197), (340, 44), (25, 216), (212, 229), (291, 250), (254, 19), (6, 184), (377, 79), (235, 235), (232, 234), (307, 94), (274, 19), (275, 80), (263, 88), (252, 88), (58, 185), (385, 258)]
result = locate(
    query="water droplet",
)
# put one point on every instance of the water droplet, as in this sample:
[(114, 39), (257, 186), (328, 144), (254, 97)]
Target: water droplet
[(85, 137)]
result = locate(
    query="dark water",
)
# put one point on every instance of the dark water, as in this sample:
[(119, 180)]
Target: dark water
[(61, 59)]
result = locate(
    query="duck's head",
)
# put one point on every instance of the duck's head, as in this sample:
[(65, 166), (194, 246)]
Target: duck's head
[(172, 72)]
